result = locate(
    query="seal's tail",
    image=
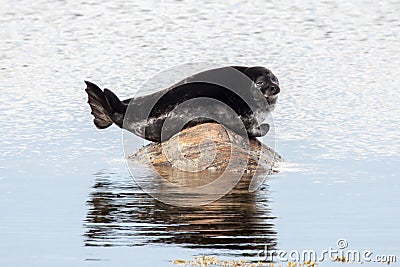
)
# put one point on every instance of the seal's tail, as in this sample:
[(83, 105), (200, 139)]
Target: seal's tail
[(106, 107)]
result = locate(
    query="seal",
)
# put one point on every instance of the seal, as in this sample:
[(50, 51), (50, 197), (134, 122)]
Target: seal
[(238, 97)]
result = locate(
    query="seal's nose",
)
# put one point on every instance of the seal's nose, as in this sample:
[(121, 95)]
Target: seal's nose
[(275, 89)]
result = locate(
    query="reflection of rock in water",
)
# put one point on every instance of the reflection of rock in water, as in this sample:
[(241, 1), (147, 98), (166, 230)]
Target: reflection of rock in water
[(121, 214), (201, 164)]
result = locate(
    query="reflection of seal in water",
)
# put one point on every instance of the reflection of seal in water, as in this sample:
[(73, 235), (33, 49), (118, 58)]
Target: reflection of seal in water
[(251, 92)]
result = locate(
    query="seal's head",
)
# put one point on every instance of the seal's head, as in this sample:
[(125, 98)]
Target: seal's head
[(265, 81)]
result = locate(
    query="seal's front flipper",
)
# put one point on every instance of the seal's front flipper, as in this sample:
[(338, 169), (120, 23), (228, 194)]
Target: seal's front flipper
[(259, 131)]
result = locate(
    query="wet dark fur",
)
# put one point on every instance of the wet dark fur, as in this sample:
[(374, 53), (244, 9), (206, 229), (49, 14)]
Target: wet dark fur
[(108, 109)]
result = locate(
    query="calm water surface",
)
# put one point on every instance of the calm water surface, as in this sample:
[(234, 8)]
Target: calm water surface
[(67, 197)]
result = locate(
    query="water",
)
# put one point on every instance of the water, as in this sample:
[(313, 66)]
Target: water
[(66, 194)]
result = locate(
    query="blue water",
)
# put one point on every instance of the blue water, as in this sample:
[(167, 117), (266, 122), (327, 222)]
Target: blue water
[(66, 195)]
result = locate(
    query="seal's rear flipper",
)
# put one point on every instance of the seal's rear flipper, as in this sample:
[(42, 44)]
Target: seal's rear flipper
[(114, 102), (101, 110)]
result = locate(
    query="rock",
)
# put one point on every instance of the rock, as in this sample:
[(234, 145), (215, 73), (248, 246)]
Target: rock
[(202, 164), (208, 147)]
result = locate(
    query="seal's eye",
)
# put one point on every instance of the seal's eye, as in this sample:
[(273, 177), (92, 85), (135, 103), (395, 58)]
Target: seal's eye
[(259, 83), (274, 79)]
